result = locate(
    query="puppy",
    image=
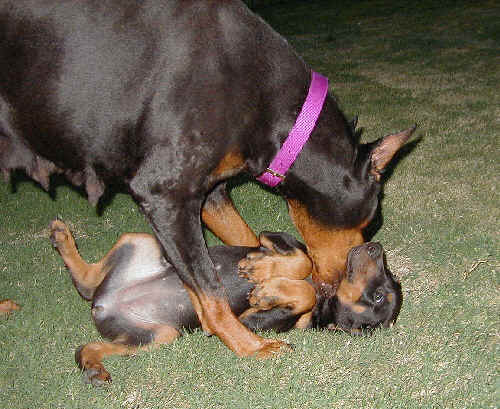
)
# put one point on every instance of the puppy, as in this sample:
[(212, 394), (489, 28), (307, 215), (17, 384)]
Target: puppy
[(139, 302)]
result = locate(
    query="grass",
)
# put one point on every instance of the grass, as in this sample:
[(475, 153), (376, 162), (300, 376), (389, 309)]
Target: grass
[(394, 64)]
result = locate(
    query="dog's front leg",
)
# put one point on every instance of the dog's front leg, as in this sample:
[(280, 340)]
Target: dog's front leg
[(180, 233), (174, 212)]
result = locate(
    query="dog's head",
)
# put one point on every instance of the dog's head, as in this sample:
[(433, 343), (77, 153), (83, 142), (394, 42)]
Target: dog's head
[(367, 298)]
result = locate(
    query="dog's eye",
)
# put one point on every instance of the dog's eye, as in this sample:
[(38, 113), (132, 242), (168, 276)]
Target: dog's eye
[(378, 297)]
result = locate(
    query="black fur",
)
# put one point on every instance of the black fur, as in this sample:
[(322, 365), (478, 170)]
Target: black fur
[(152, 95)]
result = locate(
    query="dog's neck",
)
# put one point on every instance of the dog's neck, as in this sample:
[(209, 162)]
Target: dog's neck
[(299, 134)]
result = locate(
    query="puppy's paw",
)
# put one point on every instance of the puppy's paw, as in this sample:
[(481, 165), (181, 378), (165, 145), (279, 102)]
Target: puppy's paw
[(59, 233), (96, 377), (257, 266)]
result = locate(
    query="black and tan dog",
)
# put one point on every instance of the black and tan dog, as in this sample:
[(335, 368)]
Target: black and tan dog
[(138, 300), (169, 99)]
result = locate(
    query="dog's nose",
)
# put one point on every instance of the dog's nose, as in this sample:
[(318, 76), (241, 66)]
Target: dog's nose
[(374, 249)]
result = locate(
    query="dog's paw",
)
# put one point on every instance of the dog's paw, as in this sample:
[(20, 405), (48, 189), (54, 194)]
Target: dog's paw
[(273, 348), (264, 264), (59, 233), (93, 371), (257, 266), (262, 298), (96, 377)]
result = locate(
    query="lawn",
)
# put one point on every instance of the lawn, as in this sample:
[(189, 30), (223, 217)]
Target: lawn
[(394, 64)]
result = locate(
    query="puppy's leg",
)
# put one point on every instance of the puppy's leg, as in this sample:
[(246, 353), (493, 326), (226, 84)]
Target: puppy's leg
[(278, 303), (86, 277), (282, 256), (297, 295), (89, 356)]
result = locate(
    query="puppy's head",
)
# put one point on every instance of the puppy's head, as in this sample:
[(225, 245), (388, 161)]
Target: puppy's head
[(368, 297)]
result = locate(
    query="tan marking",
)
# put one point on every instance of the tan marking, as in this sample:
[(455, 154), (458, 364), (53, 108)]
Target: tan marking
[(273, 349), (358, 308), (90, 356), (259, 266), (304, 321), (223, 219), (227, 224), (386, 149), (88, 277), (327, 247), (349, 293), (7, 307), (297, 295), (220, 320), (165, 335), (198, 309), (231, 163)]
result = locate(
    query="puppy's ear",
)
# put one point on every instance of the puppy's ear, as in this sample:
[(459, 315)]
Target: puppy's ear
[(282, 243)]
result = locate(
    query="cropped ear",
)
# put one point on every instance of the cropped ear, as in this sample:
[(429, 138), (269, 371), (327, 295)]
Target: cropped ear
[(386, 148), (355, 132)]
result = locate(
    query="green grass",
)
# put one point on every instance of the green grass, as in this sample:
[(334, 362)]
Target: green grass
[(394, 64)]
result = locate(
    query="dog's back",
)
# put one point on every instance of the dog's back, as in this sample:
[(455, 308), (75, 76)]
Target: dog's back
[(107, 80)]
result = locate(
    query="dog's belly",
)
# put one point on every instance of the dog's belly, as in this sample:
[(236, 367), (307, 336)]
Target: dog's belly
[(138, 308), (133, 305)]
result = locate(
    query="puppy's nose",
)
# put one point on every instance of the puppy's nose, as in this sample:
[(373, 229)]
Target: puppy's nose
[(374, 249)]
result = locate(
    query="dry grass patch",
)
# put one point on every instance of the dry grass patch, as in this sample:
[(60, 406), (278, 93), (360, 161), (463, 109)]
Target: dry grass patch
[(421, 82), (457, 97), (400, 264)]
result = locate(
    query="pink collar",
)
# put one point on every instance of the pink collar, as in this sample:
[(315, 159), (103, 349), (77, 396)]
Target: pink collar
[(299, 134)]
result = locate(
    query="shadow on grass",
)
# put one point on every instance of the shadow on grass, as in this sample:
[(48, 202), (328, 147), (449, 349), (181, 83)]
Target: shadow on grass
[(18, 178)]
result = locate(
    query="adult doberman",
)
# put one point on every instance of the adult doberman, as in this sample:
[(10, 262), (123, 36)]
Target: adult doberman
[(138, 301), (170, 99)]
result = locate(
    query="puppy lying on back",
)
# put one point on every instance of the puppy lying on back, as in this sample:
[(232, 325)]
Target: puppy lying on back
[(138, 300)]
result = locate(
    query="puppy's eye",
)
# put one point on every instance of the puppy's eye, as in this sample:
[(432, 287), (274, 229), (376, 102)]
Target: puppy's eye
[(378, 297)]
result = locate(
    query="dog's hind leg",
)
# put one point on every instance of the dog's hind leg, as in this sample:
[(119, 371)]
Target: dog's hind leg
[(89, 356), (222, 218), (86, 277)]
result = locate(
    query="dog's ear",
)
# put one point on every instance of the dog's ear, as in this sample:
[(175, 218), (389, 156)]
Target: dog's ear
[(385, 148), (282, 243), (356, 133)]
